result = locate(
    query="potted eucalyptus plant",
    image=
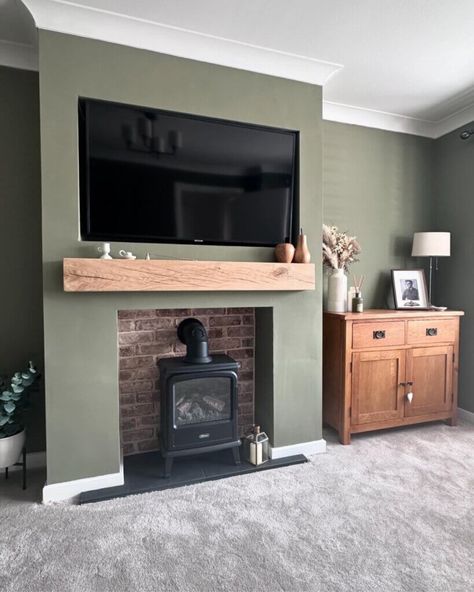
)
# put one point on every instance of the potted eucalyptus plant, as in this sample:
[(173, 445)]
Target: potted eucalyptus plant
[(13, 400)]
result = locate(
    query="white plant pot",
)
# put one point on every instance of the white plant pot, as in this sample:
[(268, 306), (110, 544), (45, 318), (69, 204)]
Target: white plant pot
[(337, 291), (10, 449)]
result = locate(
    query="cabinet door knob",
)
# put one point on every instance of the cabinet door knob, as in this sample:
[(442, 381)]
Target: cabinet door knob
[(402, 384), (431, 331), (410, 383), (379, 334), (409, 397)]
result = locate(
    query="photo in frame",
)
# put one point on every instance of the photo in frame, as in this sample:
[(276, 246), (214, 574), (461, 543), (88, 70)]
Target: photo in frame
[(409, 289)]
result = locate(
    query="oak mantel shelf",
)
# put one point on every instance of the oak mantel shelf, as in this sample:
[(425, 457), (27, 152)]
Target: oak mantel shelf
[(122, 275)]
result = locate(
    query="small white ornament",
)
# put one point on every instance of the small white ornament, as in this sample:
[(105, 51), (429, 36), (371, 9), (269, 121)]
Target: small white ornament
[(410, 397), (127, 254), (105, 250)]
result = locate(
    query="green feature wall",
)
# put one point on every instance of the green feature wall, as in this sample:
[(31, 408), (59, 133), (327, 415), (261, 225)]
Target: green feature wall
[(21, 313), (378, 186), (80, 329), (454, 190)]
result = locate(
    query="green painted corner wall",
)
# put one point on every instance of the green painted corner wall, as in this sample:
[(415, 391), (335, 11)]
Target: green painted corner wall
[(378, 186), (80, 329), (21, 309), (454, 212)]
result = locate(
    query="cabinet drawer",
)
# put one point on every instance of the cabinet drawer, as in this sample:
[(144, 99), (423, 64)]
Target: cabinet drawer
[(432, 331), (378, 334)]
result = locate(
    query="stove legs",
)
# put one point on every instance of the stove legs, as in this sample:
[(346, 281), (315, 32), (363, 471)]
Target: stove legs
[(236, 454), (168, 467)]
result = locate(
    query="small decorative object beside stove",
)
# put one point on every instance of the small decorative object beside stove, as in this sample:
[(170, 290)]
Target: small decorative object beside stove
[(198, 399), (257, 447), (284, 252), (302, 254), (339, 251), (105, 250)]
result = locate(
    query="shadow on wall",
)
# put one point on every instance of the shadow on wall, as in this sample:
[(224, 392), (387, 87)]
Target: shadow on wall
[(21, 313)]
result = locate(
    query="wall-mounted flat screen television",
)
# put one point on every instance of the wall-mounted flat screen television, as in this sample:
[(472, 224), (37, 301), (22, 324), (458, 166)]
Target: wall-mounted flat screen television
[(148, 175)]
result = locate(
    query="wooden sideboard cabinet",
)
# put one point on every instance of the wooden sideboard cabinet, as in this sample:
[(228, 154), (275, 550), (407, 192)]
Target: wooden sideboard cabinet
[(387, 368)]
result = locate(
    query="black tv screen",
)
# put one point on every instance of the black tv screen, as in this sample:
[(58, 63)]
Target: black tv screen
[(148, 175)]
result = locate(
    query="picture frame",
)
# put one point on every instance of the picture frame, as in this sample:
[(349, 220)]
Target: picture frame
[(409, 289)]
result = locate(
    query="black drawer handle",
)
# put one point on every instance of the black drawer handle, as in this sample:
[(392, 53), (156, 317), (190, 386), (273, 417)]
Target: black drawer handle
[(379, 334), (431, 332)]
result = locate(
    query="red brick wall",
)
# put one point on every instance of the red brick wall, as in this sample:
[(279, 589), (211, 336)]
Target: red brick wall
[(145, 336)]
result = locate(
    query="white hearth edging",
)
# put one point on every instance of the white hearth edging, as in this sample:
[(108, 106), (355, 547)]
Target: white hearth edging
[(306, 448), (57, 492), (466, 415)]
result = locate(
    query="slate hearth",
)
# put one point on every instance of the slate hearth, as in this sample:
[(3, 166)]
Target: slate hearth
[(143, 473)]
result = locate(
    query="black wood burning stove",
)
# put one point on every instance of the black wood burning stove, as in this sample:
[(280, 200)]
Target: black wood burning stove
[(198, 399)]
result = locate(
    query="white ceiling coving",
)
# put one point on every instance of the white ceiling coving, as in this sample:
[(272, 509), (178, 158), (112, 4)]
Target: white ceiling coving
[(403, 65)]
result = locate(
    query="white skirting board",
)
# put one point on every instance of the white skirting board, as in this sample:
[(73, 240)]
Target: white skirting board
[(306, 448), (57, 492), (466, 415)]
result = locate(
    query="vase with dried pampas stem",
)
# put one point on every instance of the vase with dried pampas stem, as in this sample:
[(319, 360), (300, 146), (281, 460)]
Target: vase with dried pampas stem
[(339, 251)]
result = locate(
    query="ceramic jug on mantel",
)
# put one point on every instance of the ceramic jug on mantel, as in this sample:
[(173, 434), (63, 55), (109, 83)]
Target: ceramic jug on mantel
[(302, 254)]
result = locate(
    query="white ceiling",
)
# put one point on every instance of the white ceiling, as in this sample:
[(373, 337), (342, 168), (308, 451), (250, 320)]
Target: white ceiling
[(406, 65)]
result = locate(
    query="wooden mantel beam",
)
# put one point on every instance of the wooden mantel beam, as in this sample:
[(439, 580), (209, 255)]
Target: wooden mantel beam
[(122, 275)]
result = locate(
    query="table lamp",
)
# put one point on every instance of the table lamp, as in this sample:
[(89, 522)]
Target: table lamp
[(431, 244)]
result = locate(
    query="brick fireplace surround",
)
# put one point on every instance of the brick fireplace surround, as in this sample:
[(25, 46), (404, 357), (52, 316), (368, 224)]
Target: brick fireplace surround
[(145, 336)]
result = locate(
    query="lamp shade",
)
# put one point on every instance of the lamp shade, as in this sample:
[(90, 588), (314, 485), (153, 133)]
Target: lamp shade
[(431, 244)]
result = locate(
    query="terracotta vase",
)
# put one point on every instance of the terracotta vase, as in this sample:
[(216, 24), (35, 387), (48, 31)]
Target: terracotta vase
[(302, 254), (284, 252)]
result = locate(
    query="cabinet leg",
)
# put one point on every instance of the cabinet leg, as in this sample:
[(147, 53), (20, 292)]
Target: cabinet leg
[(345, 437), (452, 421)]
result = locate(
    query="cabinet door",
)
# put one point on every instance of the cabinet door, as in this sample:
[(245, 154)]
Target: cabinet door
[(377, 393), (430, 369)]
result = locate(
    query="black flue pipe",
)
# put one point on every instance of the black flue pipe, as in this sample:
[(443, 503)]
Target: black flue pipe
[(193, 334)]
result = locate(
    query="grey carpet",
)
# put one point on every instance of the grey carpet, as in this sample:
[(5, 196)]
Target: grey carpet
[(393, 512)]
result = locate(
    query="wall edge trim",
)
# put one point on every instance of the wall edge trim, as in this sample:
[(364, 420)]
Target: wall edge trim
[(56, 492), (306, 448)]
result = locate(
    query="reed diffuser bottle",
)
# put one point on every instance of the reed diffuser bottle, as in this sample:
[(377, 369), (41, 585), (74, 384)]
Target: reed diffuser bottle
[(358, 301)]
